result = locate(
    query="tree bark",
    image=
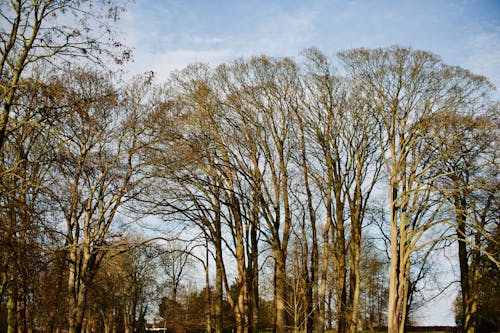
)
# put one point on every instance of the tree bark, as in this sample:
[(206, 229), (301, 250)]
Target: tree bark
[(281, 315), (12, 311), (219, 272)]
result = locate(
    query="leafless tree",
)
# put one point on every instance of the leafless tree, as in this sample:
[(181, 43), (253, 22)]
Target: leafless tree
[(51, 32), (466, 152), (23, 173), (405, 88), (102, 135)]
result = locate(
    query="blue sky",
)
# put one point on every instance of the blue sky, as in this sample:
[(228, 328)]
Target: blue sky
[(169, 34)]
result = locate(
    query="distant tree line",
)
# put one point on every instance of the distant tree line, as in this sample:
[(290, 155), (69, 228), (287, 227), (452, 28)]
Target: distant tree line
[(317, 193)]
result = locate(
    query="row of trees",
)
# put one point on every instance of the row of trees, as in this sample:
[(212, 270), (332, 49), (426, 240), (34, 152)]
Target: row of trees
[(283, 153), (272, 161)]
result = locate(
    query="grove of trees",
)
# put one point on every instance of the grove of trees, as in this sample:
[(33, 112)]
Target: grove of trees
[(303, 195)]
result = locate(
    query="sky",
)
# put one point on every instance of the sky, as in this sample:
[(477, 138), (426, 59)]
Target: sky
[(166, 35), (169, 34)]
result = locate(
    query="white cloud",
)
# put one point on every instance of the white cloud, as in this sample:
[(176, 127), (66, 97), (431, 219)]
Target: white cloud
[(484, 56), (209, 40), (280, 32), (163, 63)]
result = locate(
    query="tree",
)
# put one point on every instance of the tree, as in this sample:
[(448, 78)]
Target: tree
[(343, 144), (262, 145), (374, 291), (139, 267), (174, 260), (219, 188), (102, 136), (23, 173), (33, 35), (466, 155), (405, 88), (187, 162), (33, 32), (275, 114)]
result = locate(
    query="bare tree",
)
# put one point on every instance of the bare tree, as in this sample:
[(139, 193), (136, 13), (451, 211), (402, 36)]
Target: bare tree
[(345, 167), (123, 290), (51, 31), (174, 261), (101, 137), (466, 146), (187, 160), (374, 291), (23, 171), (34, 35), (405, 88), (273, 93)]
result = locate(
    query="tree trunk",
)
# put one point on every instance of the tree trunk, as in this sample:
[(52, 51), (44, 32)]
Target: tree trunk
[(77, 311), (77, 289), (322, 293), (281, 321), (329, 310), (392, 304), (461, 216), (340, 256), (254, 278), (219, 271), (12, 311), (342, 299), (241, 306), (208, 314), (127, 325), (355, 278)]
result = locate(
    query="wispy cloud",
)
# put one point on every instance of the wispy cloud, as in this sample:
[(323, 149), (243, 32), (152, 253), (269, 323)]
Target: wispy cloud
[(163, 63), (209, 40), (484, 56), (167, 34)]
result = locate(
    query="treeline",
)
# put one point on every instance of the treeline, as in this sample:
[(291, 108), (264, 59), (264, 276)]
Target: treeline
[(322, 191), (285, 156)]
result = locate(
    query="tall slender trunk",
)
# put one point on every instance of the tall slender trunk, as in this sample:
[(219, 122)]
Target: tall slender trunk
[(340, 255), (309, 303), (320, 325), (312, 277), (329, 309), (275, 298), (255, 279), (461, 216), (342, 299), (208, 310), (354, 272), (392, 306), (407, 302), (241, 305), (322, 292), (22, 315), (127, 322), (320, 322), (281, 322), (12, 310), (219, 271)]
